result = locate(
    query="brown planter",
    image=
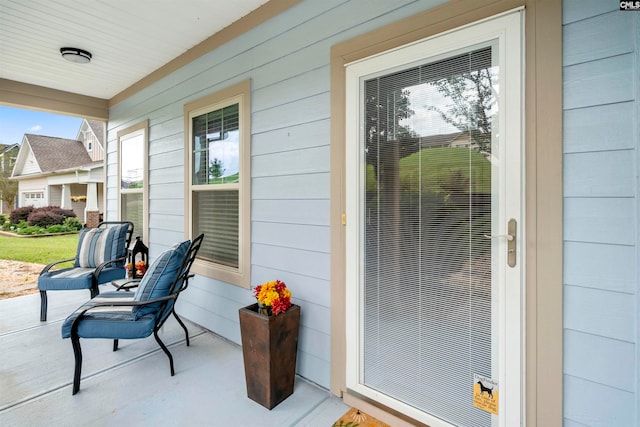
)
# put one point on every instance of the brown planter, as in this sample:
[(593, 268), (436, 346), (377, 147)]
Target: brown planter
[(270, 348)]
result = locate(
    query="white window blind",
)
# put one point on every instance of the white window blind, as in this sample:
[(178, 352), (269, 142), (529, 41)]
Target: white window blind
[(216, 215), (427, 309), (132, 210)]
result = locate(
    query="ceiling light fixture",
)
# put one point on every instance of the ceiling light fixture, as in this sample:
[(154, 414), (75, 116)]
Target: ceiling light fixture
[(76, 55)]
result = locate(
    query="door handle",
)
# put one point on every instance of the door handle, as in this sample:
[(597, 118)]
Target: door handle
[(512, 229), (509, 237)]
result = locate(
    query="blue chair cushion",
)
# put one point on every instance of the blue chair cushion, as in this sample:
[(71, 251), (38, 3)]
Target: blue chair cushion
[(76, 278), (97, 245), (110, 322), (157, 281)]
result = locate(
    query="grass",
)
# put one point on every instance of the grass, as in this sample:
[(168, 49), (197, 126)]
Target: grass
[(38, 250), (428, 170)]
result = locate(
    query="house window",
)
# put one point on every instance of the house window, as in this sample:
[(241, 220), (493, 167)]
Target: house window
[(217, 182), (132, 175)]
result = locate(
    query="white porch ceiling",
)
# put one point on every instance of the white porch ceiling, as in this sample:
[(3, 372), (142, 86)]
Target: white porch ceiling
[(128, 39)]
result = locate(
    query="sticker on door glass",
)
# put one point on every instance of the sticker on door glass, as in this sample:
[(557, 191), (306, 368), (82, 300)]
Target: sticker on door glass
[(485, 393)]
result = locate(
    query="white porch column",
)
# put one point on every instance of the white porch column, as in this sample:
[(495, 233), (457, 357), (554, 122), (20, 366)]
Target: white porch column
[(65, 202)]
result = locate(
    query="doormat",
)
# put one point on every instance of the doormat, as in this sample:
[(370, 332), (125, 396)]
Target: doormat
[(357, 418)]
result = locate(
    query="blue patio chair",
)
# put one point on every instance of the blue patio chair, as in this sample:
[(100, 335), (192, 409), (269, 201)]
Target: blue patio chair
[(100, 258), (126, 315)]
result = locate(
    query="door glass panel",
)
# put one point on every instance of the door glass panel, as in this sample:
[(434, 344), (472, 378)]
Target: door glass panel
[(427, 204)]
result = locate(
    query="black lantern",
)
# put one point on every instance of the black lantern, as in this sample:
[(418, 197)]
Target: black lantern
[(137, 259)]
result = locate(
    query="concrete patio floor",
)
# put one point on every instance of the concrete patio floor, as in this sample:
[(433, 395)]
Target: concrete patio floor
[(133, 386)]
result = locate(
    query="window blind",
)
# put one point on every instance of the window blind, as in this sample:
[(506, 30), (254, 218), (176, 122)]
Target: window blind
[(216, 215), (132, 210), (427, 304)]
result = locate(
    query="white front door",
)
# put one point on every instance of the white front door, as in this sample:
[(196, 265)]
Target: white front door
[(435, 226)]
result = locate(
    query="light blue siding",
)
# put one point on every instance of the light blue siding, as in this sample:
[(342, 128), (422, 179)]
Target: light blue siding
[(306, 135), (598, 359), (313, 108), (599, 82), (600, 312), (294, 211), (309, 186), (314, 264), (287, 60), (610, 267), (576, 10), (604, 174), (603, 127), (602, 42), (309, 84), (596, 405), (571, 423), (307, 237), (600, 214), (294, 162), (600, 220)]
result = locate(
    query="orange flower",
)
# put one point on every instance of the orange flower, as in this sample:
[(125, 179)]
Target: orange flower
[(274, 296), (141, 267)]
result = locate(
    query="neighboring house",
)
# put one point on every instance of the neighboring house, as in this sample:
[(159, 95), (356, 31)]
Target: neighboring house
[(456, 139), (63, 172), (8, 154), (410, 299)]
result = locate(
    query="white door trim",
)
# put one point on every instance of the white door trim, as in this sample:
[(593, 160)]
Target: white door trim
[(508, 30)]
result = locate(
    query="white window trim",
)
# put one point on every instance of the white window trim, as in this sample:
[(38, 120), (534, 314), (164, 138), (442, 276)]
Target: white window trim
[(241, 94), (141, 128)]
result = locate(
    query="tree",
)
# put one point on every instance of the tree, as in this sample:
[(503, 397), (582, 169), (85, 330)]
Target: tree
[(215, 169), (385, 108), (8, 191), (472, 102), (386, 142), (8, 188)]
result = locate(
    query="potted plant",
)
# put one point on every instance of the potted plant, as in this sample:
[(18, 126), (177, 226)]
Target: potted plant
[(269, 330)]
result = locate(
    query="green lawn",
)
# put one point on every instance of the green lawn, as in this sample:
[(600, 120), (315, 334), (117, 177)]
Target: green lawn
[(430, 169), (39, 250)]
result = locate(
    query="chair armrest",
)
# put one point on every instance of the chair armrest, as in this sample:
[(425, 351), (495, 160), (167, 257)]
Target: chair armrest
[(74, 326), (130, 303), (125, 284), (54, 263), (104, 265), (107, 263)]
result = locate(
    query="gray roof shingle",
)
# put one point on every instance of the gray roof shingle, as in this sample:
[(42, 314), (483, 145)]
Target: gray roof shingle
[(57, 153)]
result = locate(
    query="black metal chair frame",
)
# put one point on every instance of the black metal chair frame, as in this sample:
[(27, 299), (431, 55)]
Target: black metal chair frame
[(179, 285), (94, 290)]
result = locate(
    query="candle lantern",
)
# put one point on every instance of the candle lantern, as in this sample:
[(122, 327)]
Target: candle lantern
[(137, 259)]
